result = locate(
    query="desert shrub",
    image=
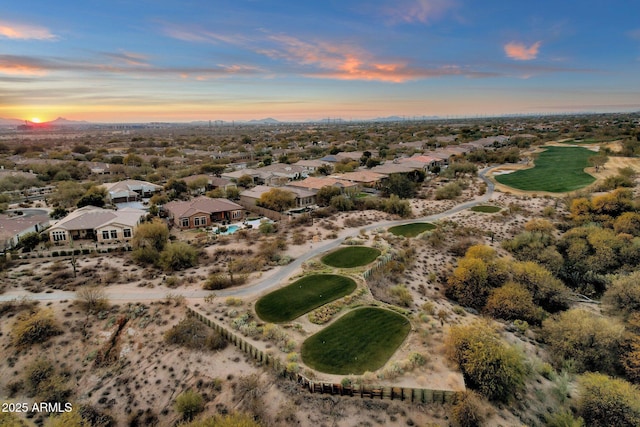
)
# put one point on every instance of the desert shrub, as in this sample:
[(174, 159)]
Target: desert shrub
[(92, 298), (563, 419), (9, 419), (222, 281), (42, 381), (68, 419), (467, 411), (228, 420), (145, 255), (231, 301), (591, 341), (95, 417), (513, 301), (178, 256), (606, 401), (193, 334), (34, 327), (401, 295), (623, 296), (267, 227), (189, 404), (449, 191), (493, 368), (396, 206)]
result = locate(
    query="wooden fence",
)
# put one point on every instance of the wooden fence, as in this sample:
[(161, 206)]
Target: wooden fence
[(417, 395)]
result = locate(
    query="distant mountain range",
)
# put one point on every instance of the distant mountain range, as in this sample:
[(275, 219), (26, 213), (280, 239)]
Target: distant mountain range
[(11, 122), (61, 121)]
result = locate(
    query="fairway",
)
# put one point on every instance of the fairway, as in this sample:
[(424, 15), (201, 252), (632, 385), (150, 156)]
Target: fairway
[(486, 209), (411, 230), (302, 296), (351, 256), (362, 340), (557, 170)]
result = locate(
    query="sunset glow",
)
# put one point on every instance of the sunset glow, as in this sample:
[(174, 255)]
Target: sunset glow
[(35, 120), (300, 61)]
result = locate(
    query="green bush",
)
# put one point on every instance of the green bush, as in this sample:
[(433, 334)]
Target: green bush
[(449, 191), (189, 404), (467, 411), (606, 401), (178, 256), (34, 327), (493, 368)]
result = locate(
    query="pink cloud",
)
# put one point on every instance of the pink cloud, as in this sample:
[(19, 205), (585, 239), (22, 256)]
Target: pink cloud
[(520, 52), (24, 31)]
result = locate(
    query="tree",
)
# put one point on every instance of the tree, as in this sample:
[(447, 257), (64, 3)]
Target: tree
[(628, 222), (67, 194), (92, 298), (326, 193), (93, 197), (58, 212), (245, 181), (400, 185), (598, 161), (34, 328), (277, 199), (592, 341), (178, 256), (468, 284), (547, 291), (189, 404), (132, 160), (29, 241), (513, 301), (176, 188), (489, 366), (153, 235), (606, 401), (623, 296), (198, 184)]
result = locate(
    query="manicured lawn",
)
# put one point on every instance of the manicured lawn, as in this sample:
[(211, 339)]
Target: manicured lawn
[(486, 209), (302, 296), (557, 170), (351, 256), (362, 340), (411, 230)]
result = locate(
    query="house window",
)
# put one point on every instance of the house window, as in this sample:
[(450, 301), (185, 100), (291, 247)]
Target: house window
[(127, 233), (236, 214), (184, 222), (114, 234), (105, 235), (59, 235), (200, 221)]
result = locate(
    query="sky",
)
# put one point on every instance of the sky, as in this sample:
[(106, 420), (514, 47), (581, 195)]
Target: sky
[(179, 61)]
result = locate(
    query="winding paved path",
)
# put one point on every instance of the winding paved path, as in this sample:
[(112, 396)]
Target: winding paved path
[(272, 278)]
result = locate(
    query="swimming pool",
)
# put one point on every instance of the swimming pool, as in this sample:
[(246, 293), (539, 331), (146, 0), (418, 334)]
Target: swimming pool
[(230, 230)]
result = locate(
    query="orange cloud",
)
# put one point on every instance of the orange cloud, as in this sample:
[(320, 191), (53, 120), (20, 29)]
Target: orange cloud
[(24, 31), (520, 52), (15, 65)]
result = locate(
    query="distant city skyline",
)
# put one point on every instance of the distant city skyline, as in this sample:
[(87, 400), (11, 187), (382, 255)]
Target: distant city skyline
[(143, 61)]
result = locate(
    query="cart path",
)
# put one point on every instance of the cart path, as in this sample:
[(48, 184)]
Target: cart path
[(271, 279)]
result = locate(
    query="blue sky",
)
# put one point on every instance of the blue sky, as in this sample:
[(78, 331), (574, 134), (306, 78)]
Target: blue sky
[(144, 60)]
